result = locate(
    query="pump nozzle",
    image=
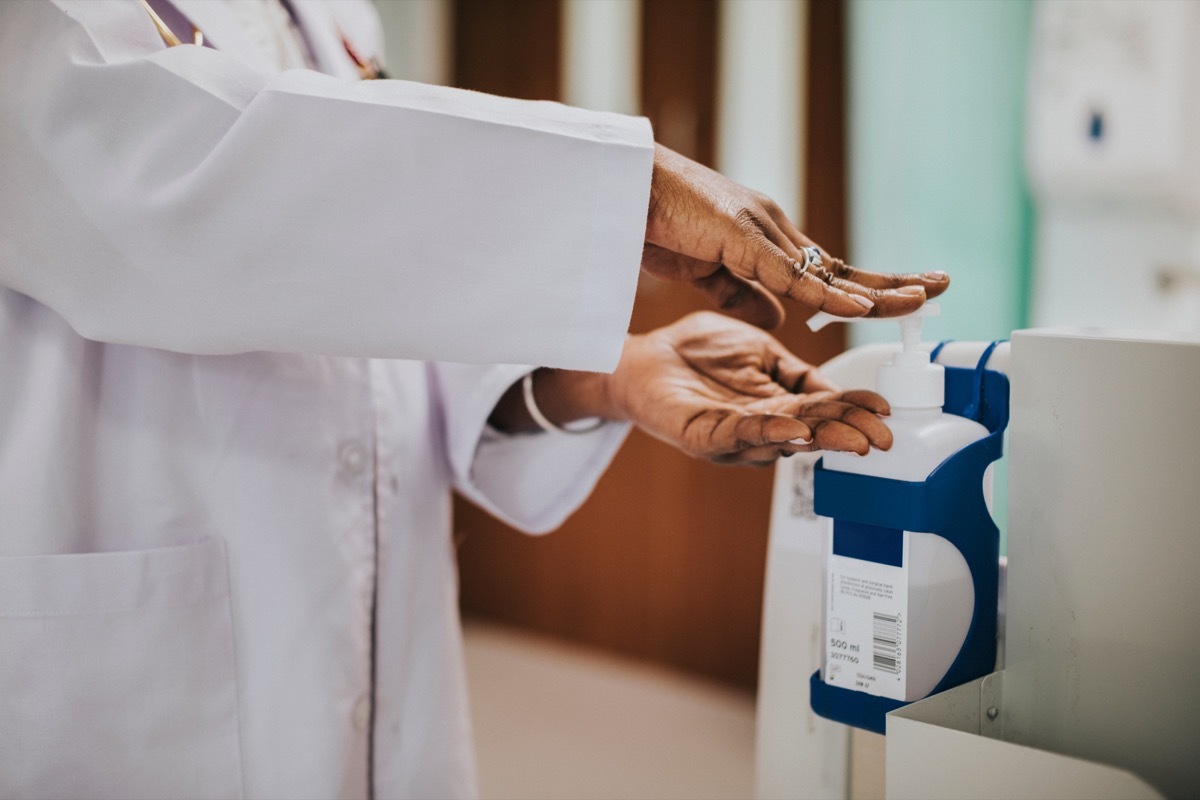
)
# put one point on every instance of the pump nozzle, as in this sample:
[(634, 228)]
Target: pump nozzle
[(910, 380), (822, 318)]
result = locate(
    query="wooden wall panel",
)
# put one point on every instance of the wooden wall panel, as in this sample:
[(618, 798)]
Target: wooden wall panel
[(666, 559), (824, 161), (679, 74), (508, 47)]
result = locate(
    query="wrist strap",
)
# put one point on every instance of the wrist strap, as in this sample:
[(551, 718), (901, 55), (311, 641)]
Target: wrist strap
[(543, 422)]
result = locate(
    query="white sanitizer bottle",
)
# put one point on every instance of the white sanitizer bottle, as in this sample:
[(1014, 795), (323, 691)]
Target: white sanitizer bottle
[(894, 623)]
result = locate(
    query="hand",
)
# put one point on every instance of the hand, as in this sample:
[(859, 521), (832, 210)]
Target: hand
[(723, 390), (737, 247)]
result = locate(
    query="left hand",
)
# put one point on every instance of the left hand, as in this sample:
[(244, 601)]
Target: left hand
[(737, 247), (723, 390)]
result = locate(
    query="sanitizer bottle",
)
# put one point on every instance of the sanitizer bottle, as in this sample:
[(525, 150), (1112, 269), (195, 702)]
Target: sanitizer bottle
[(900, 598)]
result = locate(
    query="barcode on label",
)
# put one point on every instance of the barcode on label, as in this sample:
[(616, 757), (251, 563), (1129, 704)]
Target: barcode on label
[(887, 642)]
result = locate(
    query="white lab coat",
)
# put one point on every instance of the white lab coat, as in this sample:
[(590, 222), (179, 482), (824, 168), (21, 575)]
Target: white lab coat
[(226, 567)]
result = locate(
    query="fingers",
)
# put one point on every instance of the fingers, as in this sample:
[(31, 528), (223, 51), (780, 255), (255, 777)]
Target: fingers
[(758, 250), (872, 401), (893, 294), (830, 434), (888, 302), (892, 302), (766, 262), (856, 410), (764, 252), (827, 434), (934, 283), (719, 433), (758, 430), (846, 421)]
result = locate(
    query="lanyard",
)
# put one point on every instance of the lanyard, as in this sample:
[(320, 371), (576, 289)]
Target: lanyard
[(168, 36)]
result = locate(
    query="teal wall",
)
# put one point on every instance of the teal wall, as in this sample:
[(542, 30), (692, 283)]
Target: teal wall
[(936, 92), (936, 180)]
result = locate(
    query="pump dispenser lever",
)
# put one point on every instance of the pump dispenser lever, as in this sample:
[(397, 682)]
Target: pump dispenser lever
[(822, 318), (910, 380)]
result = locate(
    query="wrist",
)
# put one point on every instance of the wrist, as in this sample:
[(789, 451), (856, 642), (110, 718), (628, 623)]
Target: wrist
[(661, 178), (560, 397), (565, 396)]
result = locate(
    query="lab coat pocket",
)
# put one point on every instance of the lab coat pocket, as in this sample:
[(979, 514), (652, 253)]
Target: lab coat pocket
[(117, 675)]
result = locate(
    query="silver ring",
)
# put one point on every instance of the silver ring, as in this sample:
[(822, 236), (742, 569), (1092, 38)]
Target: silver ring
[(812, 258)]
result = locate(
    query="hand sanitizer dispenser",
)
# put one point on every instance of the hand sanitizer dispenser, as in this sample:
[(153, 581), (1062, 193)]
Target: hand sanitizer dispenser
[(912, 559)]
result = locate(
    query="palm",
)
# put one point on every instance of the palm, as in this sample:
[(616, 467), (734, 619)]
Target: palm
[(723, 390)]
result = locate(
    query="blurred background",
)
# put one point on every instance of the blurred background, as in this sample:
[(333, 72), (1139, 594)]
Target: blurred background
[(905, 135), (913, 108)]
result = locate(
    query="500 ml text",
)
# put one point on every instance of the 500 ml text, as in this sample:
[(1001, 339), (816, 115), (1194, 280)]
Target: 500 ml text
[(842, 645)]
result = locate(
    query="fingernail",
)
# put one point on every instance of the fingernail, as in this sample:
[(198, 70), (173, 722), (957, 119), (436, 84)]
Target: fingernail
[(937, 275), (799, 441), (865, 302), (911, 290)]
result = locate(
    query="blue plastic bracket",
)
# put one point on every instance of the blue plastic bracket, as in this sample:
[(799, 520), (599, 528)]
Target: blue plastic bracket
[(949, 503)]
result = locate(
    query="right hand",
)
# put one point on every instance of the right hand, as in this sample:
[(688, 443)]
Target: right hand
[(720, 389)]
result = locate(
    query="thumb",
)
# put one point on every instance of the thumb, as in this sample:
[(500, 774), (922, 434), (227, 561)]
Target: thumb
[(741, 299)]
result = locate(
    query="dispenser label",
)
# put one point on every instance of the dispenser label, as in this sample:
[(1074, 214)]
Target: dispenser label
[(866, 623)]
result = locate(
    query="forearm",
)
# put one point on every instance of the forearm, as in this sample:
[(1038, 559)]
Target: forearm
[(563, 396), (171, 211)]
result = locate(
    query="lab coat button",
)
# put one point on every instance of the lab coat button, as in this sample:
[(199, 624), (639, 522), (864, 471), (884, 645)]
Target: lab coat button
[(362, 714), (353, 458)]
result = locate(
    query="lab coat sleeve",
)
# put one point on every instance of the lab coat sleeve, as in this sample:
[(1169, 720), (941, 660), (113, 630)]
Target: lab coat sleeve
[(183, 199), (531, 481)]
